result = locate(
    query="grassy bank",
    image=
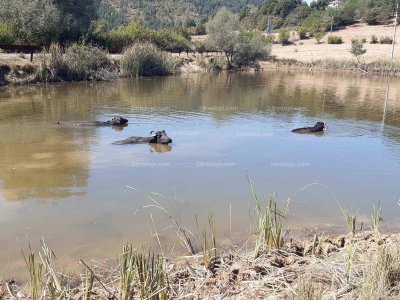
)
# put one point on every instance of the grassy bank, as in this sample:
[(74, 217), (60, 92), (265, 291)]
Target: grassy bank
[(270, 264), (379, 67)]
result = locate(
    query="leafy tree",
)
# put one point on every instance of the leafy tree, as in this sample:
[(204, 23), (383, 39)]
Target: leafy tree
[(6, 33), (34, 22), (357, 49), (318, 36), (252, 47), (223, 32), (76, 17)]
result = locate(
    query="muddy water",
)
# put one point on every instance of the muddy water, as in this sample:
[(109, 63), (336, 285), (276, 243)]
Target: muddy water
[(86, 196)]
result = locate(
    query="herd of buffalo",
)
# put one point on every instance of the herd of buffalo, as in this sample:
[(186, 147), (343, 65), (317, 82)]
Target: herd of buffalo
[(161, 137)]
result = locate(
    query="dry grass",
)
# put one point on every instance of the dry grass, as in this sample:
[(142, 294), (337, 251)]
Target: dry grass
[(364, 266)]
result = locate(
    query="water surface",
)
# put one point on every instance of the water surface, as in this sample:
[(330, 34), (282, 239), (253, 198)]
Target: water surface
[(85, 196)]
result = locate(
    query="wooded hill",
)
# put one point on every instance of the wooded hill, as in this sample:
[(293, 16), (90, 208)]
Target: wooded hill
[(168, 13)]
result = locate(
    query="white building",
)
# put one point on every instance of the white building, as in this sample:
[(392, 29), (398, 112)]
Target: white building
[(335, 3)]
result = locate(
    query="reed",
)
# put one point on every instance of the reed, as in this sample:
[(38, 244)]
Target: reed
[(89, 281), (181, 230), (151, 276), (270, 223), (350, 219), (35, 275), (376, 217), (207, 234), (127, 272)]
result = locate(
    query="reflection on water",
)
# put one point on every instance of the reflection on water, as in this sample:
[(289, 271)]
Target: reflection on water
[(160, 148), (71, 185)]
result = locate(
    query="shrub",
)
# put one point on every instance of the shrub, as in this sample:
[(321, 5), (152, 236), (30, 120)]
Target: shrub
[(334, 39), (284, 36), (145, 59), (357, 49), (252, 47), (386, 40), (374, 39), (302, 33), (223, 32), (200, 46), (270, 38), (6, 33), (318, 36), (86, 62)]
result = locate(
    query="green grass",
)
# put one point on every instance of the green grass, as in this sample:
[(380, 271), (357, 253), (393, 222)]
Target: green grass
[(270, 223), (376, 217), (127, 272), (350, 219)]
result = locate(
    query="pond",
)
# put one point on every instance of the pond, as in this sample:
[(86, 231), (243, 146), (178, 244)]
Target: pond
[(86, 196)]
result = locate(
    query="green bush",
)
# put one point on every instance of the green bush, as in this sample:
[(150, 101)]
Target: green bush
[(386, 40), (251, 48), (134, 32), (86, 62), (302, 33), (357, 49), (270, 38), (200, 46), (318, 36), (374, 39), (334, 39), (145, 59), (284, 36), (6, 33)]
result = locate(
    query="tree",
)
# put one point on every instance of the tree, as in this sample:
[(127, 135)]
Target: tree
[(252, 47), (77, 16), (357, 49), (223, 32), (318, 36), (35, 22)]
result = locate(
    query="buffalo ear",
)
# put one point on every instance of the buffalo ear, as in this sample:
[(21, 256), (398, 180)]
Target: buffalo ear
[(152, 133), (163, 131)]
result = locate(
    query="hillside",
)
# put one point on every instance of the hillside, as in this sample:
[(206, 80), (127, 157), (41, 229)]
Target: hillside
[(168, 13)]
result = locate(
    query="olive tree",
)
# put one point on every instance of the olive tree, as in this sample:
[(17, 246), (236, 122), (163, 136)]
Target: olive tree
[(33, 21), (357, 49), (252, 47), (223, 33)]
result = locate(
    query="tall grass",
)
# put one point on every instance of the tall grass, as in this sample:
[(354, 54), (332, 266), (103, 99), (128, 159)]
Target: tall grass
[(35, 275), (181, 230), (127, 272), (382, 275), (350, 219), (383, 67), (206, 235), (86, 62), (151, 276), (270, 223), (145, 59), (376, 217), (79, 62)]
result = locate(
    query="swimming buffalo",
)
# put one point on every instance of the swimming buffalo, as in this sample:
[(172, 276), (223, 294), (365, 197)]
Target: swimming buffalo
[(318, 127), (115, 121), (158, 137)]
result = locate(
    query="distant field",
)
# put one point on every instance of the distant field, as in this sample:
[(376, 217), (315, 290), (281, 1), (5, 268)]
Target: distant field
[(309, 50)]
